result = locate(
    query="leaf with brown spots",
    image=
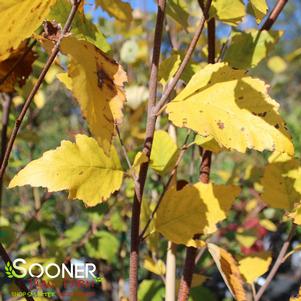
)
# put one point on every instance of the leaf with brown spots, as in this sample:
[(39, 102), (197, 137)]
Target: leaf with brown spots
[(229, 270), (233, 108), (19, 20), (97, 84), (13, 73)]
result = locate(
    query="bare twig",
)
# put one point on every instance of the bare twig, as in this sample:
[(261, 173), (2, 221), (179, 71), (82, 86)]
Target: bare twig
[(150, 129), (187, 57), (6, 104), (36, 87), (277, 264), (123, 149), (272, 17)]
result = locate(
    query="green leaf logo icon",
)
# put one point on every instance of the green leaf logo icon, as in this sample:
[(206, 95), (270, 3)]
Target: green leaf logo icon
[(10, 272)]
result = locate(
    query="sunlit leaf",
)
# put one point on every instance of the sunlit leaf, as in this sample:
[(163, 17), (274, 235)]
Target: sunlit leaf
[(233, 108), (255, 265), (230, 12), (82, 168), (258, 8), (97, 84), (19, 20)]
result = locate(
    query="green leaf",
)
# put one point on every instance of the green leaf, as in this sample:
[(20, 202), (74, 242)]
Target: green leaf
[(248, 49), (170, 65), (151, 290), (103, 245), (177, 9)]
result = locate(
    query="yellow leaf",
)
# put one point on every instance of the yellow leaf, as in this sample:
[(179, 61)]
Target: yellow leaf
[(233, 108), (245, 239), (164, 153), (122, 11), (156, 267), (277, 64), (230, 12), (82, 167), (259, 9), (280, 185), (39, 99), (229, 270), (255, 265), (97, 84), (140, 158), (193, 209), (208, 143), (18, 20), (268, 225), (65, 79)]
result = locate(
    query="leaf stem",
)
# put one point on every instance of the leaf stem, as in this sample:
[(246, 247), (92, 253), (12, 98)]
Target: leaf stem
[(6, 105), (277, 264), (150, 129), (51, 58)]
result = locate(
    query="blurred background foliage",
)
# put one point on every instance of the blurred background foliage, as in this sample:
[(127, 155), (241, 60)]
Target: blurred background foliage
[(36, 224)]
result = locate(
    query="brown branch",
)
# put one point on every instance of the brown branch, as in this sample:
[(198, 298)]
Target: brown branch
[(171, 85), (269, 22), (205, 167), (36, 87), (19, 282), (150, 129), (277, 264), (6, 104)]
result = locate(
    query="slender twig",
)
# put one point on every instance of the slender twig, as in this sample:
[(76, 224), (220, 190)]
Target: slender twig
[(19, 282), (277, 264), (17, 62), (150, 129), (165, 97), (125, 154), (272, 17), (167, 185), (36, 87), (6, 104), (204, 177)]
